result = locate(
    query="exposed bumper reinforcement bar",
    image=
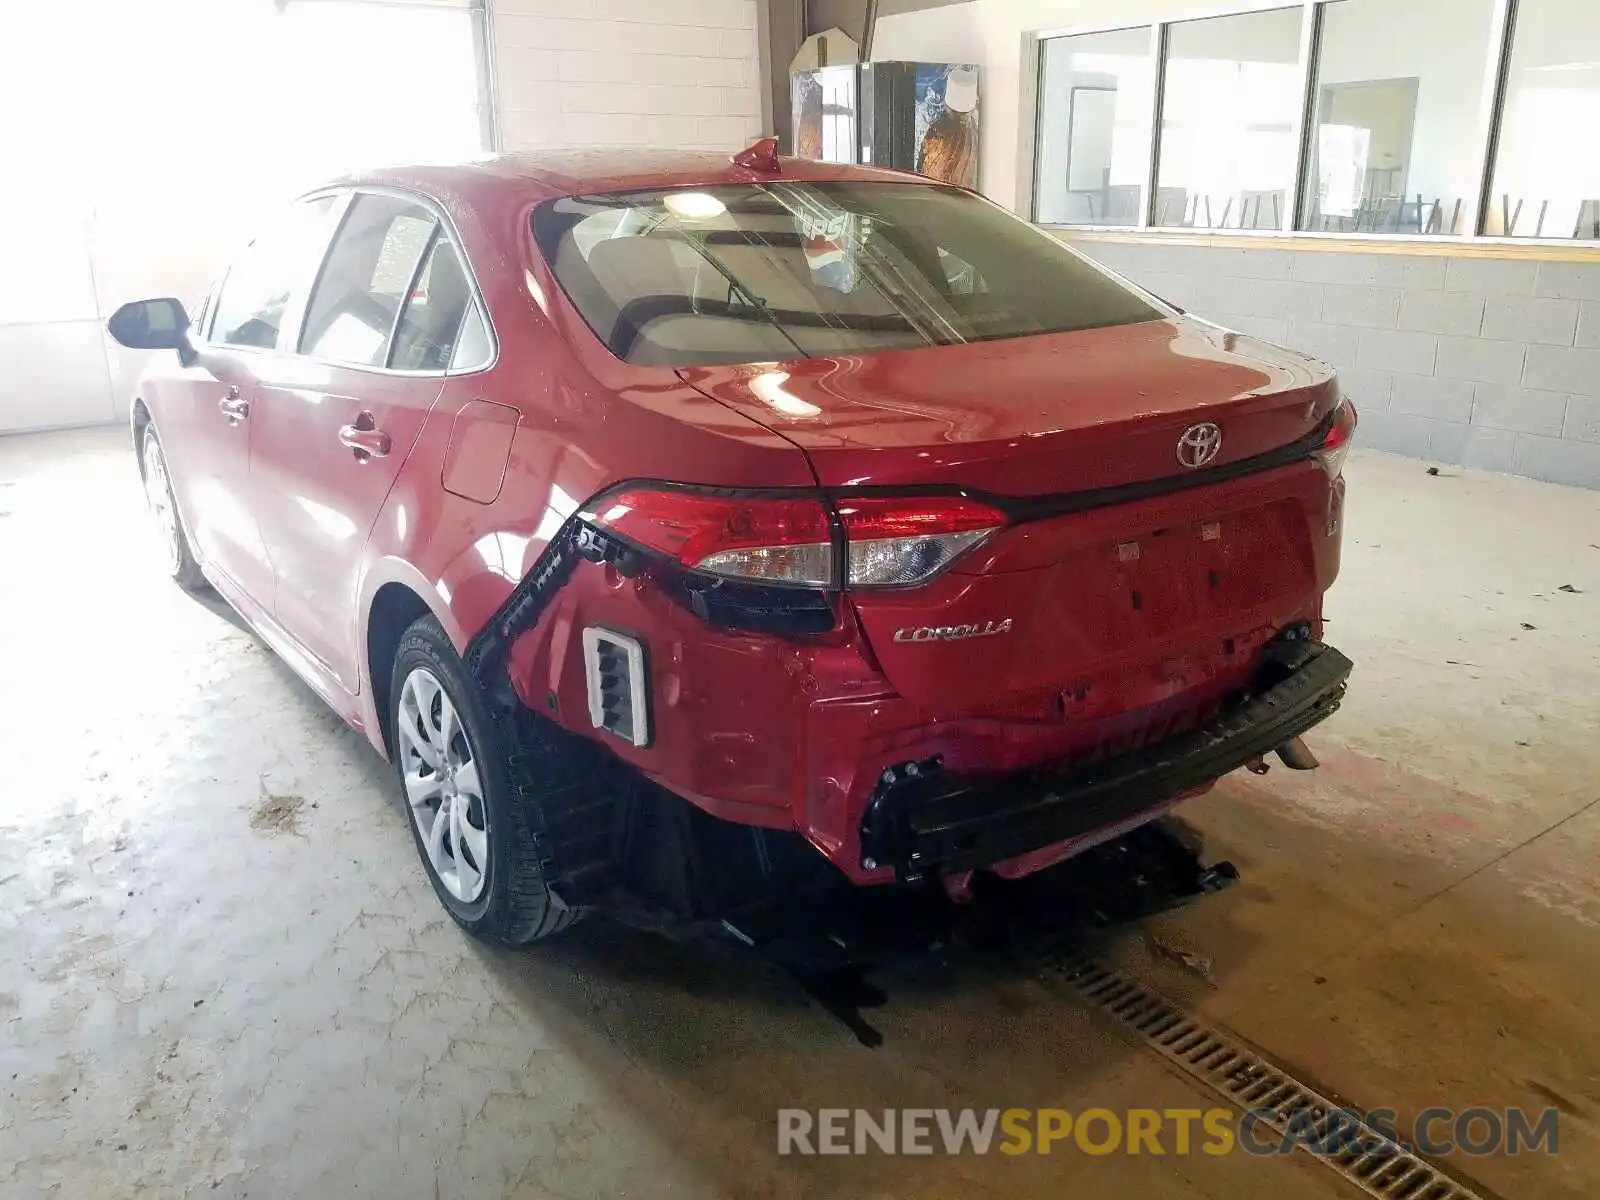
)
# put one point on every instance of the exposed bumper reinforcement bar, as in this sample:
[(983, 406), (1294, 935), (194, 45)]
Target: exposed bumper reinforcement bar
[(923, 820)]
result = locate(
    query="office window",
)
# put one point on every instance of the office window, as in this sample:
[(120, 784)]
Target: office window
[(1229, 103), (1547, 174), (1094, 123), (1393, 145)]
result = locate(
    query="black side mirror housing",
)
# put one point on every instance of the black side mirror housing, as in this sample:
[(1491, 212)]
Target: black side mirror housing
[(160, 324)]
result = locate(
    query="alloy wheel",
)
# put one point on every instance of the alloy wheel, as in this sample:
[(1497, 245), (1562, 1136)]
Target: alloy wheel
[(443, 785), (158, 495)]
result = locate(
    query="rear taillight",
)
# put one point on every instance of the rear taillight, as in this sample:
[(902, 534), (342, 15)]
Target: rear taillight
[(763, 540), (1336, 446), (894, 542), (889, 542)]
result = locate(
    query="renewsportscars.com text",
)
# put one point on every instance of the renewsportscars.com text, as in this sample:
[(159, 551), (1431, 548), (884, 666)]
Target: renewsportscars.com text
[(1177, 1131)]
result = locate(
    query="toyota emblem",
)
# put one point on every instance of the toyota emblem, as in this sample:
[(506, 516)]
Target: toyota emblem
[(1199, 445)]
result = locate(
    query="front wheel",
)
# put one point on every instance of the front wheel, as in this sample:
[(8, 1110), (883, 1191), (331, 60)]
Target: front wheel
[(180, 561), (471, 831)]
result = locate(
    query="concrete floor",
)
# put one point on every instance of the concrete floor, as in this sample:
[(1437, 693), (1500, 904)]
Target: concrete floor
[(224, 973)]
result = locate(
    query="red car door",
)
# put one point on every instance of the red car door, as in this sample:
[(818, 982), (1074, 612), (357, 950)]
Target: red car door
[(203, 410), (332, 431)]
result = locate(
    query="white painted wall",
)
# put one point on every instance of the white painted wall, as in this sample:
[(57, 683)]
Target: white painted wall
[(666, 73)]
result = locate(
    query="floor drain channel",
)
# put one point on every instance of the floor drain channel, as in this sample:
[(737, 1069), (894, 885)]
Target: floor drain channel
[(1375, 1163)]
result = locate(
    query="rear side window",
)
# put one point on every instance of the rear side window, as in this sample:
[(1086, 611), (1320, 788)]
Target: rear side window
[(368, 276), (784, 270), (474, 348), (255, 294), (435, 314)]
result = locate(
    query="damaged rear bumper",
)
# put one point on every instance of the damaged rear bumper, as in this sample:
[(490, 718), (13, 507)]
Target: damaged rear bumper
[(922, 820)]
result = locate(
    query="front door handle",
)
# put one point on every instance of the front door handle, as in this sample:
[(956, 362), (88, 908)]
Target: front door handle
[(234, 406), (364, 439)]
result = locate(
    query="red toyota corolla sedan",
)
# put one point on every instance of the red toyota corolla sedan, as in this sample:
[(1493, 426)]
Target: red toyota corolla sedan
[(687, 530)]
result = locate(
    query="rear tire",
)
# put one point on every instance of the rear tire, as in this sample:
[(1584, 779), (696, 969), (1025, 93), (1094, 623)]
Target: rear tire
[(471, 829), (181, 565)]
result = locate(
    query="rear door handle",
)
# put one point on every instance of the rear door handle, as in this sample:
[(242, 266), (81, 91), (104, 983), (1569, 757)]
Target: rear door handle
[(363, 440), (234, 406)]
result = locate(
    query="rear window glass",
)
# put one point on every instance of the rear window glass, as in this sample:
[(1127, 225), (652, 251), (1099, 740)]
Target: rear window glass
[(784, 270)]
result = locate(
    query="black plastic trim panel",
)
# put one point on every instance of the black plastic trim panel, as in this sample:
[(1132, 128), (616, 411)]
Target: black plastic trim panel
[(927, 820), (1020, 510), (489, 648)]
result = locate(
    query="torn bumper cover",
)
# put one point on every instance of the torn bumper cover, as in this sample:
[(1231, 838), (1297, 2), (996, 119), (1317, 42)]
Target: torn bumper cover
[(923, 820)]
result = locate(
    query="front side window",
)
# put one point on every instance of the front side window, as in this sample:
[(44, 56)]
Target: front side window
[(201, 310), (1546, 172), (1393, 145), (1094, 122), (796, 270), (1229, 102), (257, 290), (366, 279)]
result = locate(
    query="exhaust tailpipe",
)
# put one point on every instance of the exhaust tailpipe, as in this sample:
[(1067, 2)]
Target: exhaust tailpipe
[(1297, 755)]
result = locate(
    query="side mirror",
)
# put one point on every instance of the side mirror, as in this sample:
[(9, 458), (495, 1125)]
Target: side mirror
[(160, 324)]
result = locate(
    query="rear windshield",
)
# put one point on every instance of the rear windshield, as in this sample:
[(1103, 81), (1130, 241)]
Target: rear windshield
[(752, 273)]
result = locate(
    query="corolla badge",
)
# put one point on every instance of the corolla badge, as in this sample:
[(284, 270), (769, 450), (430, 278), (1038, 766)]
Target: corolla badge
[(1199, 445), (951, 633)]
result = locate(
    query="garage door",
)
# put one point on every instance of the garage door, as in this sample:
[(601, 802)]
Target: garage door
[(151, 148)]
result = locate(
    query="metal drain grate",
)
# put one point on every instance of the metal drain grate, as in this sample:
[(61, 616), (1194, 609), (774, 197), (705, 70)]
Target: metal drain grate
[(1379, 1166)]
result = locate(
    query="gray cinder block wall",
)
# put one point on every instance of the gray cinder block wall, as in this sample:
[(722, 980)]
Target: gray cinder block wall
[(1485, 362)]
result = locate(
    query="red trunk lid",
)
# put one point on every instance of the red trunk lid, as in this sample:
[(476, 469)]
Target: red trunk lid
[(1142, 599), (1033, 416)]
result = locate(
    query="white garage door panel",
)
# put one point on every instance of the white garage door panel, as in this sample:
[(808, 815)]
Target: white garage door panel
[(54, 375), (126, 366), (177, 248), (45, 265), (283, 97)]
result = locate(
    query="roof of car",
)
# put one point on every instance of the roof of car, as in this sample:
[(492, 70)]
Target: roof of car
[(578, 172)]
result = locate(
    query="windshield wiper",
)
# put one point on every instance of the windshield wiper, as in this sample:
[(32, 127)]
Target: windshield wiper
[(756, 302)]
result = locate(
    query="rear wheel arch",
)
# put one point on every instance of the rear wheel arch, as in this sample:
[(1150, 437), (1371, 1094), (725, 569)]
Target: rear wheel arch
[(395, 607)]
